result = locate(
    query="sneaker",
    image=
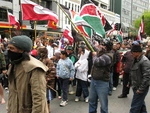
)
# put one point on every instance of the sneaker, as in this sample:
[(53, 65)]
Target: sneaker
[(114, 88), (77, 99), (71, 92), (59, 97), (86, 99), (63, 103)]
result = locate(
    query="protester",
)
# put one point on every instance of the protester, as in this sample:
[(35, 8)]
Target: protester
[(73, 58), (81, 75), (116, 67), (26, 75), (99, 86), (51, 73), (65, 72), (127, 62), (140, 79)]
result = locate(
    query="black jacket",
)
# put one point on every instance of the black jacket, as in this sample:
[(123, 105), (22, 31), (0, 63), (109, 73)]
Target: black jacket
[(140, 73)]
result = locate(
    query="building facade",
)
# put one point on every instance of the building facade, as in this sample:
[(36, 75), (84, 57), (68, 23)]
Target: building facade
[(129, 10), (14, 7)]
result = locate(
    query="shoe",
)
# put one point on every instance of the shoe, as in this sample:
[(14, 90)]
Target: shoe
[(71, 92), (59, 97), (63, 103), (122, 96), (86, 99), (114, 88), (109, 94), (77, 99)]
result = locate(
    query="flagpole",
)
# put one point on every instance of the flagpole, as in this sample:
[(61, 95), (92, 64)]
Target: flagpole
[(10, 32), (85, 40), (34, 30)]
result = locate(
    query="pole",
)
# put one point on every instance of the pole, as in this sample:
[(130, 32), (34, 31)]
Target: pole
[(10, 32), (34, 29), (85, 40)]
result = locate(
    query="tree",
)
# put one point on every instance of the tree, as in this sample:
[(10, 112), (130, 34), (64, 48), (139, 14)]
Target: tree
[(137, 22)]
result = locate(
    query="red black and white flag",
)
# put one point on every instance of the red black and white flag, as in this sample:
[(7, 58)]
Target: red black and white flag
[(67, 34), (141, 29), (13, 21), (33, 11)]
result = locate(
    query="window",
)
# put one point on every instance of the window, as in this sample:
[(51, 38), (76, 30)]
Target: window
[(69, 5), (75, 8), (3, 15), (66, 4), (72, 6)]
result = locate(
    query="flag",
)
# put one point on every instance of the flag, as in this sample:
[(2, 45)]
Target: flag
[(80, 23), (92, 15), (120, 36), (33, 11), (107, 25), (111, 31), (67, 34), (52, 24), (13, 20), (141, 29)]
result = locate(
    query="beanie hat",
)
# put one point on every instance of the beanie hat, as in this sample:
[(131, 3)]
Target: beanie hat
[(136, 48), (69, 48), (22, 42)]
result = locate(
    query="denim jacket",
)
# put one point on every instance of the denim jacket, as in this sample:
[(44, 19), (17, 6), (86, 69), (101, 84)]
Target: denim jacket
[(65, 68), (140, 73)]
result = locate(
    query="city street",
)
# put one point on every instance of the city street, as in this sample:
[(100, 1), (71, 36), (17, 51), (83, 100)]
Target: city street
[(115, 105)]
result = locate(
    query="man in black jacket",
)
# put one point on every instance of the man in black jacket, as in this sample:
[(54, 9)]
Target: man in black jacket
[(100, 73), (140, 79)]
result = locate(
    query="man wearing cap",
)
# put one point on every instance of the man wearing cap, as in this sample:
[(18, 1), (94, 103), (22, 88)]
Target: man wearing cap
[(27, 84), (140, 79)]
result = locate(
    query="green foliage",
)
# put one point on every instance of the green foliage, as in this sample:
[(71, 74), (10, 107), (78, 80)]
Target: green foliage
[(137, 22)]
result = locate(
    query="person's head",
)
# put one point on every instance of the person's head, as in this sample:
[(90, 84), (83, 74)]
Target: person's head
[(63, 55), (51, 41), (136, 51), (81, 49), (42, 52), (108, 45), (19, 47), (118, 45), (69, 49)]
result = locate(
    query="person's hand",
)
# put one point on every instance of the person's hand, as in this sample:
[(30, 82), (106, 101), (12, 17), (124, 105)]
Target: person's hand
[(94, 53), (57, 76), (71, 79), (138, 92)]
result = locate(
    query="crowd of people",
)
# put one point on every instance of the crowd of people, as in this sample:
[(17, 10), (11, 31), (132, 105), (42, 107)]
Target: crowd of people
[(36, 72)]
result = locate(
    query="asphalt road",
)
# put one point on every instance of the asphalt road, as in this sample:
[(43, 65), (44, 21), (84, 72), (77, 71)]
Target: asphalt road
[(115, 105)]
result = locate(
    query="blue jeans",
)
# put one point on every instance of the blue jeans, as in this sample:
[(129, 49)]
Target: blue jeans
[(111, 83), (98, 90), (64, 84), (82, 86), (138, 103)]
